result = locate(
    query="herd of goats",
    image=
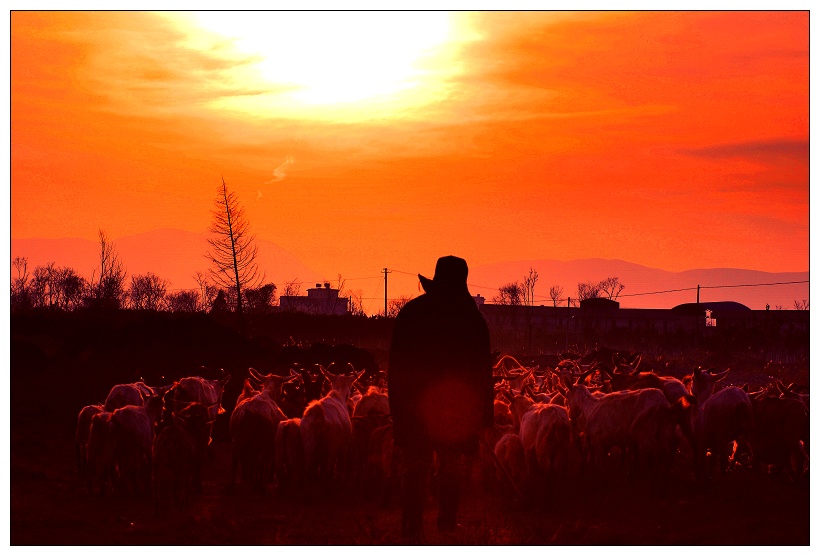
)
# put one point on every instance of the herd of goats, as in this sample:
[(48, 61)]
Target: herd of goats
[(319, 427)]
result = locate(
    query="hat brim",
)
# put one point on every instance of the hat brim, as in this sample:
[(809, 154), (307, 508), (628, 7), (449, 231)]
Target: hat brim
[(426, 284)]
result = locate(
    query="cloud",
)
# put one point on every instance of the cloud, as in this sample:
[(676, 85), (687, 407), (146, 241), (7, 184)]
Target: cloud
[(753, 149), (279, 173)]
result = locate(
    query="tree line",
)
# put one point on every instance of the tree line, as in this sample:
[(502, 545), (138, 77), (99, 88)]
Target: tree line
[(234, 282), (523, 293)]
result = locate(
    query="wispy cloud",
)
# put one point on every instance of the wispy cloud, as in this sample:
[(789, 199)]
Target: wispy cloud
[(280, 172), (753, 149)]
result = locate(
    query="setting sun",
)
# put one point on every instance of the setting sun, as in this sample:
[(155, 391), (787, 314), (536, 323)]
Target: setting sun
[(339, 65)]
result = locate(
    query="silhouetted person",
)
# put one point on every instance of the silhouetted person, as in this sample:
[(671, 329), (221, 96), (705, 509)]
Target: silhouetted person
[(439, 380)]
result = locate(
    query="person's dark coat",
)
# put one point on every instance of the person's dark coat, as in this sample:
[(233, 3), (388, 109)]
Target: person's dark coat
[(440, 373)]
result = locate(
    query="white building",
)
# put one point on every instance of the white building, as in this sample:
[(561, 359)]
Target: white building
[(321, 300)]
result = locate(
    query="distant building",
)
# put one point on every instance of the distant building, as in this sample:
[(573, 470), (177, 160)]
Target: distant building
[(479, 300), (321, 300)]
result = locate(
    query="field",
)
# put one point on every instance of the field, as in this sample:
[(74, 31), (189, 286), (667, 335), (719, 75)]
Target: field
[(52, 377)]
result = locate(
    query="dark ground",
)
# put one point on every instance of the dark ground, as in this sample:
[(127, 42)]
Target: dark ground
[(49, 506)]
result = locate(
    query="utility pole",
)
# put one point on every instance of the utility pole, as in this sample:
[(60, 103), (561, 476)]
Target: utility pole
[(698, 320), (386, 272), (566, 340)]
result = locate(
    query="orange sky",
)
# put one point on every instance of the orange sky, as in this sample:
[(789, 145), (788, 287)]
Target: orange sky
[(672, 139)]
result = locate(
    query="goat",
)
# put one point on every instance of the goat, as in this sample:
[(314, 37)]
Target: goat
[(122, 395), (313, 385), (722, 418), (194, 420), (702, 384), (132, 437), (197, 389), (289, 455), (293, 400), (545, 436), (382, 465), (781, 425), (253, 426), (134, 393), (617, 419), (99, 453), (786, 392), (370, 412), (502, 416), (172, 473), (671, 387), (81, 438), (327, 431), (248, 391), (509, 453)]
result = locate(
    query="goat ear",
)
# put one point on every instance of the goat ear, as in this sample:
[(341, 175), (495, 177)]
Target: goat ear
[(224, 380), (255, 374), (360, 375)]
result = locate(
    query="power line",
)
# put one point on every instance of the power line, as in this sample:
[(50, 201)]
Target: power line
[(752, 285)]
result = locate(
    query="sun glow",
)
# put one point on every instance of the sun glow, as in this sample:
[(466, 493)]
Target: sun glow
[(330, 64)]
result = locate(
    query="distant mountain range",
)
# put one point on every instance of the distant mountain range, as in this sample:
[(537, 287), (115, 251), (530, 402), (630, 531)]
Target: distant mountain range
[(645, 280), (176, 255)]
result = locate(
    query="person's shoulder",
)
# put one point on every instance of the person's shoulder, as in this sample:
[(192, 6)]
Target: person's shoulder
[(414, 306)]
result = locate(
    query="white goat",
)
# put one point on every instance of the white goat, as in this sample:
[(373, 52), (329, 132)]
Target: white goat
[(253, 426), (81, 437), (637, 421), (545, 436), (197, 389), (370, 412), (132, 437), (100, 454), (327, 432), (509, 452), (122, 395)]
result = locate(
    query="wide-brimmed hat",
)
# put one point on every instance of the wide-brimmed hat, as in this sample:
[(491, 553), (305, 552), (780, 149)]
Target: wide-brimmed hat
[(450, 276)]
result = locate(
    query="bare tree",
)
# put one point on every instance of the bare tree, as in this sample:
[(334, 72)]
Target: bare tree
[(510, 294), (555, 294), (356, 302), (43, 287), (185, 301), (147, 291), (529, 286), (107, 287), (801, 305), (292, 288), (207, 292), (70, 287), (611, 286), (588, 290), (396, 305), (20, 293), (233, 251)]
